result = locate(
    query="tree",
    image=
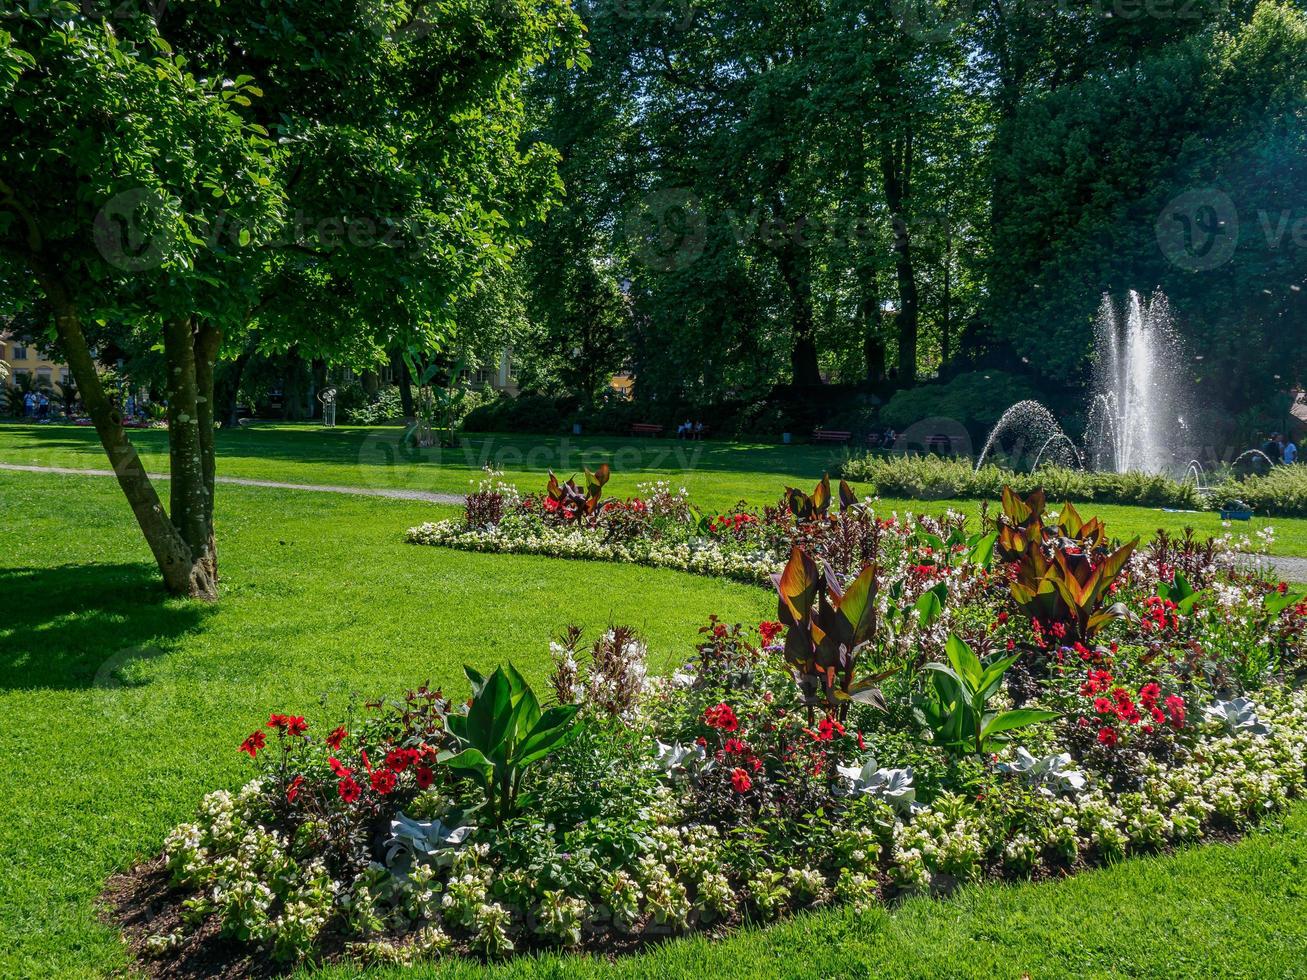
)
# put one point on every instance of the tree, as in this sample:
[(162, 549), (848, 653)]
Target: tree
[(332, 175)]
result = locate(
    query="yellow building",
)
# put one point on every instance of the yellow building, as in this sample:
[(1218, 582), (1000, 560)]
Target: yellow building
[(27, 361)]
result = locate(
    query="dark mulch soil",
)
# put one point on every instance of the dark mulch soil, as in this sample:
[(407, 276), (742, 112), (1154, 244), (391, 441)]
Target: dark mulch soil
[(143, 903)]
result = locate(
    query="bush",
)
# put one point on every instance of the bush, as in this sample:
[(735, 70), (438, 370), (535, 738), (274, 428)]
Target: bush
[(1280, 493), (933, 478), (975, 399), (539, 414), (385, 407)]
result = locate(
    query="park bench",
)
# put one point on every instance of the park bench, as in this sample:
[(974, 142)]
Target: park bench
[(645, 429), (831, 435)]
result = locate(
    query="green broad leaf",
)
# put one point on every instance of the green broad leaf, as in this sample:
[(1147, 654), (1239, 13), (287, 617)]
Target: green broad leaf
[(982, 550), (554, 729), (471, 760), (993, 675), (858, 606), (244, 236), (1277, 602), (491, 714), (966, 664), (475, 678), (1006, 721)]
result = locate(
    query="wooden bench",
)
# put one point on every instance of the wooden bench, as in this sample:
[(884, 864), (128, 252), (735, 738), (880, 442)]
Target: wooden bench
[(645, 429), (831, 435)]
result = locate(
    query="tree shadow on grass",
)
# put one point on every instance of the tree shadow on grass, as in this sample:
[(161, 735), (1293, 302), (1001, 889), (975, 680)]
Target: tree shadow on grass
[(78, 626)]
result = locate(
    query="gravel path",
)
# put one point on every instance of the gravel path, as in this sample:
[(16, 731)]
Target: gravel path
[(434, 498), (1287, 567)]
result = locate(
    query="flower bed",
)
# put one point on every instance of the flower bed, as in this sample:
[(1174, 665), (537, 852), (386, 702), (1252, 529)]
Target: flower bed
[(930, 708)]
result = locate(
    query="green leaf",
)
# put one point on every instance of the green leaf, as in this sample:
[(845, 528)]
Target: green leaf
[(491, 714), (472, 761), (1006, 721), (965, 663)]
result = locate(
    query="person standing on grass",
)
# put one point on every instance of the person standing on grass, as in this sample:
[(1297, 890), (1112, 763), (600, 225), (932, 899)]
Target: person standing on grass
[(1289, 453), (1271, 448)]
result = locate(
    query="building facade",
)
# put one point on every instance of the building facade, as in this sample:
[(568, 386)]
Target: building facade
[(25, 362)]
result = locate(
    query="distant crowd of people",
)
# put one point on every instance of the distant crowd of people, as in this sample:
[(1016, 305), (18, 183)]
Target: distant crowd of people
[(1279, 448)]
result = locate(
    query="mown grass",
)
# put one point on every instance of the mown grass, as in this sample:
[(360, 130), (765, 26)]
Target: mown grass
[(122, 708), (717, 474)]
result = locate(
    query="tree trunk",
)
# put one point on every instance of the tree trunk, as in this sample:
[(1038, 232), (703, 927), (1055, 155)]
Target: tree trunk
[(895, 161), (873, 343), (227, 395), (208, 344), (192, 501), (405, 385), (793, 261), (171, 551)]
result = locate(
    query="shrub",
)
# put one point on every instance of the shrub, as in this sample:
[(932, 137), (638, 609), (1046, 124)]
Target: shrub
[(1280, 493), (933, 478)]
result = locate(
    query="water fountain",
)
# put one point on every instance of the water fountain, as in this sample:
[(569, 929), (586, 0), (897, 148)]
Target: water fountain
[(1136, 416)]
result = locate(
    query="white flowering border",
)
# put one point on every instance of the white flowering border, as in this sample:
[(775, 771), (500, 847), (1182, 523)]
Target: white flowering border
[(701, 556)]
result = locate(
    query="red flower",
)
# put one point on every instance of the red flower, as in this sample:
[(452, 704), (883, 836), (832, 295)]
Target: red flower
[(278, 722), (425, 776), (862, 746), (293, 790), (723, 717), (349, 790), (296, 725), (253, 744), (769, 631), (828, 729), (383, 781), (734, 746), (336, 767), (1107, 736), (1149, 694), (400, 759), (1175, 708), (741, 781), (335, 739)]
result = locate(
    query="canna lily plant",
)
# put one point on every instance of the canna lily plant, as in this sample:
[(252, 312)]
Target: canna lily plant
[(955, 703), (816, 505), (828, 628), (571, 500), (1064, 571), (503, 734)]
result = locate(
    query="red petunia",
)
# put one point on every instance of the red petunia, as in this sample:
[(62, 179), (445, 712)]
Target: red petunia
[(425, 776), (253, 744), (337, 737), (741, 781), (349, 789), (293, 790)]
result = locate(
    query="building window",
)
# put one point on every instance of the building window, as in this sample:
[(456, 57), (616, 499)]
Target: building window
[(64, 377), (20, 353), (43, 376)]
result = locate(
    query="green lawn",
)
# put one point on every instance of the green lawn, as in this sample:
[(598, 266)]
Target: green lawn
[(121, 708), (717, 474)]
